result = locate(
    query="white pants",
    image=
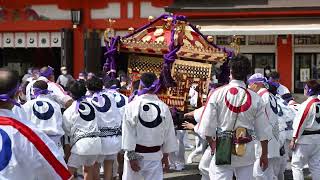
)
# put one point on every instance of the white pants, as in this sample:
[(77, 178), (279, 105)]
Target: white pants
[(225, 172), (205, 164), (201, 146), (271, 173), (149, 170), (178, 156), (306, 154)]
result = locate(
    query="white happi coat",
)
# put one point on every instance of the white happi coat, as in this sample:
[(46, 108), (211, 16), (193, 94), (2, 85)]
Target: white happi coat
[(221, 111), (81, 125), (21, 158), (197, 116), (286, 116), (281, 90), (148, 122), (20, 112), (57, 91), (271, 110), (121, 100), (46, 114), (307, 118), (109, 121)]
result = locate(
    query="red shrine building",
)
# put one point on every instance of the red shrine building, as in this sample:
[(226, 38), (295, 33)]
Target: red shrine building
[(66, 32), (281, 35)]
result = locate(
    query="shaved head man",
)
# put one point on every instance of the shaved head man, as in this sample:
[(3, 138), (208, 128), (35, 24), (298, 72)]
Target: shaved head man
[(8, 87)]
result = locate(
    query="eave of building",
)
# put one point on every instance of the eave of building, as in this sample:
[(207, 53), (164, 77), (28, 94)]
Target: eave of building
[(75, 4), (212, 13)]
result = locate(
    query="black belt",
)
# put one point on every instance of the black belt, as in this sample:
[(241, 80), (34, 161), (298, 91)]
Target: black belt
[(305, 132), (145, 149)]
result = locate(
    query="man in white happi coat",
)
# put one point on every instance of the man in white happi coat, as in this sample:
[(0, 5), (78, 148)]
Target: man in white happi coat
[(235, 110), (109, 122), (305, 142), (26, 152), (80, 123), (274, 77), (44, 112), (47, 75), (258, 83), (147, 133), (112, 87)]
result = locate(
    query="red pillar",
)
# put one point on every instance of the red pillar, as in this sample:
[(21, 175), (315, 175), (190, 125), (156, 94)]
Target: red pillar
[(78, 51), (78, 42), (284, 57)]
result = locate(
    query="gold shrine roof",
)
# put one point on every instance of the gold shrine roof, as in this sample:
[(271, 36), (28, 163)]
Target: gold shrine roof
[(156, 40)]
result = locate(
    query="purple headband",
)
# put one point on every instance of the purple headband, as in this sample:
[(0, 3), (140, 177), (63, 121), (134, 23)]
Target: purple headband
[(47, 72), (7, 96), (310, 92), (38, 91), (134, 93), (275, 84), (254, 80), (154, 87), (114, 87)]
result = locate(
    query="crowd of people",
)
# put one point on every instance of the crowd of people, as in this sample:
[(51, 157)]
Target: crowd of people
[(248, 129)]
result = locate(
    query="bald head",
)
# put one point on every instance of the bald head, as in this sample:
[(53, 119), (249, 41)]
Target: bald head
[(9, 80)]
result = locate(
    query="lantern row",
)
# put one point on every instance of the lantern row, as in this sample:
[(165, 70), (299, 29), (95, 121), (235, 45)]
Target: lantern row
[(30, 40)]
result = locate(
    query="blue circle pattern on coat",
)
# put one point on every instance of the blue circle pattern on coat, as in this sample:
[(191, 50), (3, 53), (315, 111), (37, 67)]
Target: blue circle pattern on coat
[(120, 101), (83, 111), (43, 115), (154, 123), (106, 106), (6, 151)]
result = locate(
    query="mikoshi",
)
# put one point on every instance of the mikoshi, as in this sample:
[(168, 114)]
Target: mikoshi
[(172, 48)]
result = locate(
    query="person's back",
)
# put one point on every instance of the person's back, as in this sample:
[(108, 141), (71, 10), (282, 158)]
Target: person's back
[(45, 113), (148, 131), (109, 116), (80, 124), (235, 113), (109, 123), (26, 153), (232, 102), (31, 155)]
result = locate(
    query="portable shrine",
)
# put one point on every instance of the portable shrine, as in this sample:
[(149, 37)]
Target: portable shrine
[(172, 48)]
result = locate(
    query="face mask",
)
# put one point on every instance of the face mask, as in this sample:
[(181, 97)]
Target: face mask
[(267, 71)]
